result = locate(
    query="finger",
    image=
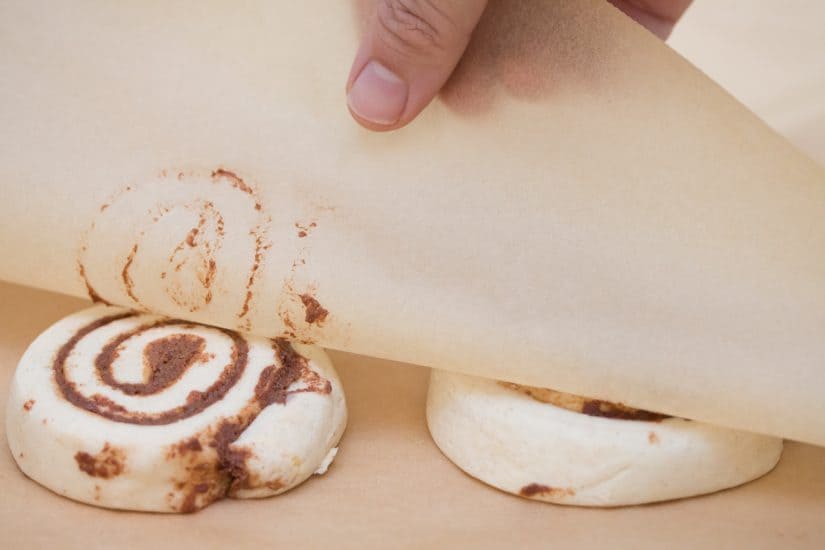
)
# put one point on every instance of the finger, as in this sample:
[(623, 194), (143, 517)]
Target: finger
[(407, 53), (658, 16)]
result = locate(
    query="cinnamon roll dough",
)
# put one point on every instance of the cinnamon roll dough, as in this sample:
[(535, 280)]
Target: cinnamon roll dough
[(134, 411), (567, 449)]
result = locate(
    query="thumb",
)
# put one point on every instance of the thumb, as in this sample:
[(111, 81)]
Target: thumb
[(407, 53)]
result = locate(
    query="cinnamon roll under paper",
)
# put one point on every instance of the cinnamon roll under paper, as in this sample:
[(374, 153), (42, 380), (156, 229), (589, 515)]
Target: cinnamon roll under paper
[(567, 449), (135, 411)]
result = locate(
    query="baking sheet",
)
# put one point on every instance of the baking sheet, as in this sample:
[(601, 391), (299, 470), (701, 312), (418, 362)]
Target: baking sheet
[(602, 219), (391, 487)]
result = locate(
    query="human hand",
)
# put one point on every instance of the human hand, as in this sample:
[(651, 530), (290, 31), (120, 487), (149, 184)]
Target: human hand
[(411, 47)]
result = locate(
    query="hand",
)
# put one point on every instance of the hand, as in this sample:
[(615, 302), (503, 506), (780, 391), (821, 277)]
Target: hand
[(411, 47)]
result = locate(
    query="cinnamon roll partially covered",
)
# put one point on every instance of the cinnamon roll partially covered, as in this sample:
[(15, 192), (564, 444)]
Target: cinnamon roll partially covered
[(557, 447), (134, 411)]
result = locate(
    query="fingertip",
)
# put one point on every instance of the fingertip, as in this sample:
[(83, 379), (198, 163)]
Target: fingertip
[(377, 97), (405, 57)]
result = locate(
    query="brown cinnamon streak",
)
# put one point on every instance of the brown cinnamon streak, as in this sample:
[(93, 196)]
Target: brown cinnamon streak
[(195, 403), (315, 312), (166, 359)]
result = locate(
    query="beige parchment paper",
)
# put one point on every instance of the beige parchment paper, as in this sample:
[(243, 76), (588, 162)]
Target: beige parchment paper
[(602, 219)]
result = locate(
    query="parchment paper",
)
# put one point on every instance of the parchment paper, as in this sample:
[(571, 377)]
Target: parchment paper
[(603, 220)]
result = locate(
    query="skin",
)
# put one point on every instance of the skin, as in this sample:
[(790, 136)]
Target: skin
[(410, 48)]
